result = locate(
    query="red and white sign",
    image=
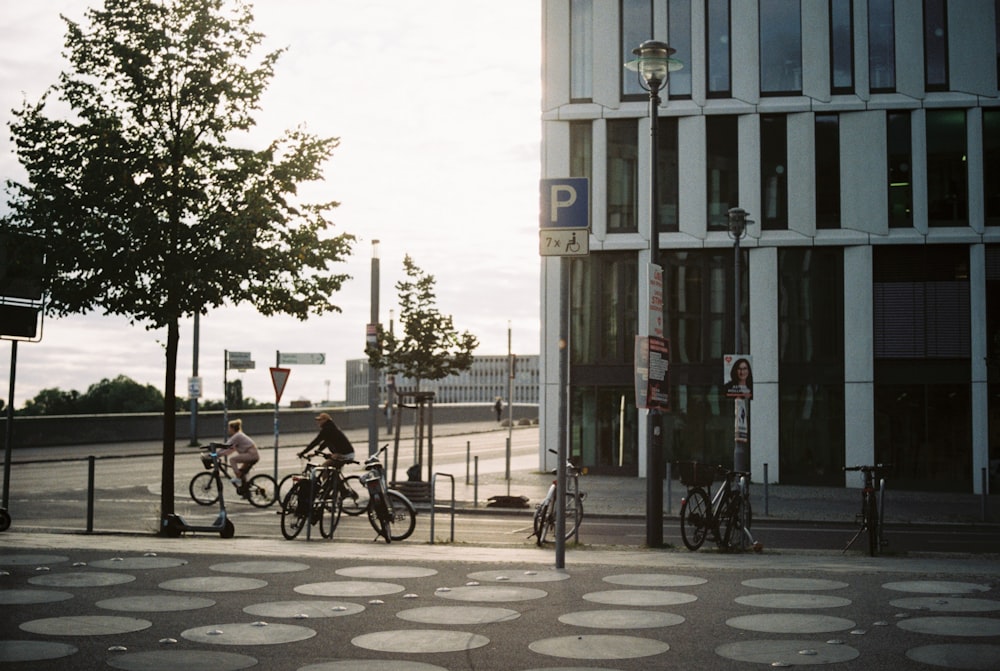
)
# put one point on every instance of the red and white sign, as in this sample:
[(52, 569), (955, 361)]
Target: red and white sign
[(279, 376)]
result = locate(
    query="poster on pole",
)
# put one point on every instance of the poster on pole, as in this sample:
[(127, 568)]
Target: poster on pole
[(279, 377), (652, 373), (737, 371)]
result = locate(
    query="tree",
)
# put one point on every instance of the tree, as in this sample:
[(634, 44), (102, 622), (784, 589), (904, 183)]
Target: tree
[(430, 348), (148, 210)]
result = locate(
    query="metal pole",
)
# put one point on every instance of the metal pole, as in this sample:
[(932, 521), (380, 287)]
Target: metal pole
[(654, 467), (372, 372), (563, 446), (9, 428), (194, 373), (737, 228)]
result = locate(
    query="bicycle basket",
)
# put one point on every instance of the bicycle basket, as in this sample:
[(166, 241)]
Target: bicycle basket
[(206, 460), (693, 474)]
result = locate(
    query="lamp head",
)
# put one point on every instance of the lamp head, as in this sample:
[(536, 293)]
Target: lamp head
[(654, 63), (737, 222)]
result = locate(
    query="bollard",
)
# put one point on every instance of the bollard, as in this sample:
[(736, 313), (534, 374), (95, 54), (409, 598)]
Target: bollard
[(670, 498), (985, 492), (91, 460), (766, 511), (475, 487), (468, 450)]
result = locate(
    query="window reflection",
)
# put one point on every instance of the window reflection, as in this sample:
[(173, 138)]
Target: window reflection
[(780, 47)]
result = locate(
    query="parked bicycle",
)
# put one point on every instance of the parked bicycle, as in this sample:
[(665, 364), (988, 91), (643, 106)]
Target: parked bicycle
[(206, 486), (872, 507), (727, 516), (390, 513), (320, 494), (545, 513)]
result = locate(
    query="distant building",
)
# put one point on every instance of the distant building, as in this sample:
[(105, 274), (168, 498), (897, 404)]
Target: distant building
[(482, 383)]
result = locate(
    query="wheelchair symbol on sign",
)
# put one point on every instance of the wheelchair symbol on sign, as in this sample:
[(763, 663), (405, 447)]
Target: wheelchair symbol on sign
[(573, 245)]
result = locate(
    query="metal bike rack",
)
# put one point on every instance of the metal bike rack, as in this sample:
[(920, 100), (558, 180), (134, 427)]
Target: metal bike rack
[(450, 507)]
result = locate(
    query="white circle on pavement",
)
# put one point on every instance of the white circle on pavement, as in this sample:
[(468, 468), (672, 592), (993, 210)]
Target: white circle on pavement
[(33, 651), (522, 575), (155, 603), (189, 660), (790, 623), (952, 626), (80, 579), (242, 633), (493, 593), (599, 646), (349, 588), (654, 580), (138, 563), (385, 572), (787, 653), (790, 600), (984, 657), (794, 584), (31, 560), (420, 641), (635, 597), (304, 609), (255, 567), (372, 665), (458, 615), (621, 619), (23, 597), (85, 625), (943, 604), (936, 587), (212, 583)]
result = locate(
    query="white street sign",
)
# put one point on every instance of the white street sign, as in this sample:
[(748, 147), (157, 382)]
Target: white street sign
[(301, 358), (564, 242)]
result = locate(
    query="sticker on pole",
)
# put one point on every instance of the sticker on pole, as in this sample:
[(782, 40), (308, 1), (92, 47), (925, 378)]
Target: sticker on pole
[(279, 376)]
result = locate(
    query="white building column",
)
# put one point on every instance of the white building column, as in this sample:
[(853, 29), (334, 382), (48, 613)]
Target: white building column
[(859, 360), (979, 352), (764, 435)]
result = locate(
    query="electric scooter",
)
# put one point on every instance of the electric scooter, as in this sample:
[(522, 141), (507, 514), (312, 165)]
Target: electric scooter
[(174, 525)]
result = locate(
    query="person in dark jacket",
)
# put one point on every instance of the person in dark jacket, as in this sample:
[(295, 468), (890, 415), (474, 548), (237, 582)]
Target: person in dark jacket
[(331, 438)]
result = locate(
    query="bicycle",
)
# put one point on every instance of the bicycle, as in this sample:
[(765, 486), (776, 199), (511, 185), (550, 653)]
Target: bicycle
[(727, 515), (872, 507), (321, 500), (352, 505), (205, 487), (391, 514), (544, 522)]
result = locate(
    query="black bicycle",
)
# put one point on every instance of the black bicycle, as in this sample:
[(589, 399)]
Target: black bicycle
[(352, 505), (391, 514), (727, 516), (872, 507), (319, 495), (206, 486)]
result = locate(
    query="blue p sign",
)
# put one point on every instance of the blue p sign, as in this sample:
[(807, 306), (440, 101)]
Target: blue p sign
[(565, 203)]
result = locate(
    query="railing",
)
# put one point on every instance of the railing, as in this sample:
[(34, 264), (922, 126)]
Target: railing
[(450, 507)]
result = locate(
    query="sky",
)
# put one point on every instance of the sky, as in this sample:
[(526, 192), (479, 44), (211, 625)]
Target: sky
[(436, 104)]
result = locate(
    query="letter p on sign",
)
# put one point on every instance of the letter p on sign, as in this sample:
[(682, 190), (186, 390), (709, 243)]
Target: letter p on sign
[(565, 203)]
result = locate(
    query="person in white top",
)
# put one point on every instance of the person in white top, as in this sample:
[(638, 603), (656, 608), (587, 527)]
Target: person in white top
[(243, 450)]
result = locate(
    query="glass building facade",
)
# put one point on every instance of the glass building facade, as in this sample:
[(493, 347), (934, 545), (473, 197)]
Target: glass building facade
[(863, 139)]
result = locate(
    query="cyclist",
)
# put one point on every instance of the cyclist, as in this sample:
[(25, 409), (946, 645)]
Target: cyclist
[(244, 452), (331, 438)]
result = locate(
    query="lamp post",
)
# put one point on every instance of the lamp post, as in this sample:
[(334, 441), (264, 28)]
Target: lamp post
[(372, 372), (737, 230), (654, 64)]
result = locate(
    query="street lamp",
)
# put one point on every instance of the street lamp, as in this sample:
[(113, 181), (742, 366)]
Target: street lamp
[(654, 64), (370, 340), (737, 230)]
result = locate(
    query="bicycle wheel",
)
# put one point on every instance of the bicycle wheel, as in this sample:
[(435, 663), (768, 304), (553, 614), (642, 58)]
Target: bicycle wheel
[(574, 514), (404, 516), (260, 491), (294, 510), (871, 522), (731, 521), (285, 486), (695, 518), (330, 506), (205, 488), (541, 523), (378, 517), (354, 496)]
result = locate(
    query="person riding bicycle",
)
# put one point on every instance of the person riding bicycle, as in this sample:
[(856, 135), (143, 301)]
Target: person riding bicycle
[(331, 438), (244, 452)]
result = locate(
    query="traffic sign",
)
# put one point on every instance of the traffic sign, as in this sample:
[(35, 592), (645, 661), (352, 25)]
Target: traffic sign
[(279, 377), (563, 242), (565, 203), (239, 361), (301, 358)]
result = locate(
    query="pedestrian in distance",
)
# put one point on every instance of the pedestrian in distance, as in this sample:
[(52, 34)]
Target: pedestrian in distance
[(498, 407), (243, 450)]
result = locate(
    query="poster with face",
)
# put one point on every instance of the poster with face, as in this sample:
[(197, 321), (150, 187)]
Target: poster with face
[(737, 371)]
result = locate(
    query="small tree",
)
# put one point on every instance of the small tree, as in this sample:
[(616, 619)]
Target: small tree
[(430, 348), (148, 208)]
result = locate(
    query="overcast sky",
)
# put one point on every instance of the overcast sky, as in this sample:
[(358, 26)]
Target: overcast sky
[(436, 105)]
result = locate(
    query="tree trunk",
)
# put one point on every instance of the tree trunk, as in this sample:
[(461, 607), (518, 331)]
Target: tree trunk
[(169, 424)]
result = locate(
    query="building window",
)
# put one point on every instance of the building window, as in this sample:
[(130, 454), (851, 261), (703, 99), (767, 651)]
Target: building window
[(581, 31), (827, 171), (604, 315), (780, 47), (698, 298), (722, 135), (811, 365), (881, 46), (717, 44), (668, 174), (842, 46), (679, 37), (991, 165), (947, 174), (773, 173), (581, 149), (622, 175), (605, 434), (636, 28), (936, 45), (900, 158)]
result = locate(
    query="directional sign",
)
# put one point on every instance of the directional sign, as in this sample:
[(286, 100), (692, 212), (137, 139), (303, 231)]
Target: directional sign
[(563, 242), (239, 361), (279, 377), (301, 358), (565, 203)]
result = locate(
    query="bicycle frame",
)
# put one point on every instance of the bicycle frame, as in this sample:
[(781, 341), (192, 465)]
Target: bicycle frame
[(704, 512), (872, 508)]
